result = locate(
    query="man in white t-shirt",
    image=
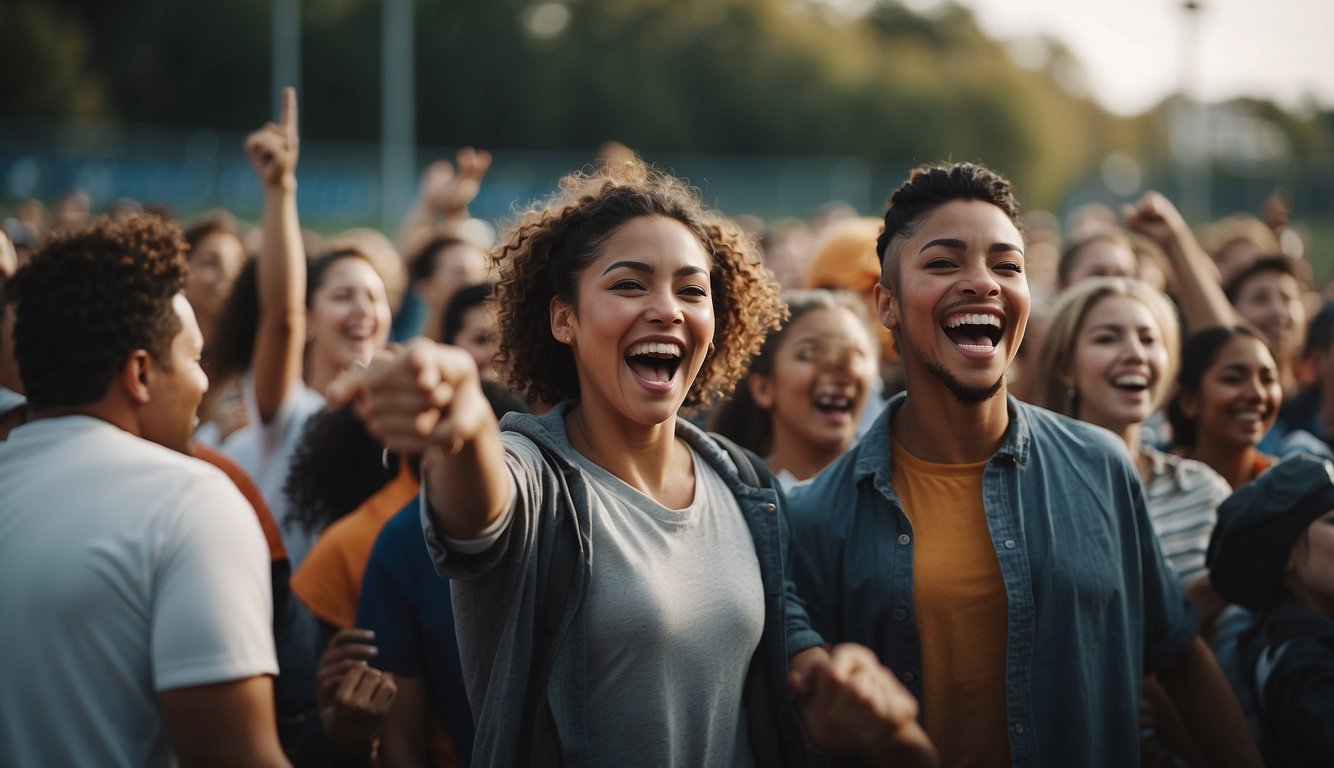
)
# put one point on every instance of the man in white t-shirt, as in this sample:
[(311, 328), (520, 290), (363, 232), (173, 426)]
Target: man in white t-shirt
[(136, 599)]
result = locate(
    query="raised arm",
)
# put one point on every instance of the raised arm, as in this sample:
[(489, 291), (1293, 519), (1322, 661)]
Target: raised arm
[(1202, 299), (276, 363), (446, 191), (427, 398)]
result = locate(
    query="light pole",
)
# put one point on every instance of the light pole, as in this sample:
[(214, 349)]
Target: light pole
[(1194, 144), (397, 112), (285, 23)]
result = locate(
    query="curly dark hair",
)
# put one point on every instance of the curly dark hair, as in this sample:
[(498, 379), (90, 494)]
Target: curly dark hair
[(336, 466), (88, 299), (929, 188), (546, 248)]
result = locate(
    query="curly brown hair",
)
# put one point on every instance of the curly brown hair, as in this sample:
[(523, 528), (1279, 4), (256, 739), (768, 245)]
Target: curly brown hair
[(88, 299), (548, 245)]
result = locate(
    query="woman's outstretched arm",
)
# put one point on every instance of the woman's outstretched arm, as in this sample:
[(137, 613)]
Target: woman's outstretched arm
[(427, 398), (281, 335)]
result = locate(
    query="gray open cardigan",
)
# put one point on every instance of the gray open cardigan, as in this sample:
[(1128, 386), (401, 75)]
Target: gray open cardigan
[(497, 597)]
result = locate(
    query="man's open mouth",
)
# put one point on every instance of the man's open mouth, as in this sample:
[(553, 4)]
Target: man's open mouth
[(974, 330)]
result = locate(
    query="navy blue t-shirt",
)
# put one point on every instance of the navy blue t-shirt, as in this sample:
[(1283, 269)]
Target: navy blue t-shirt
[(406, 603)]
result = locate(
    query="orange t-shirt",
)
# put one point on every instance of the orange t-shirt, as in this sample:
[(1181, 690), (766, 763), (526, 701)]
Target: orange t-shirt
[(329, 579), (960, 607)]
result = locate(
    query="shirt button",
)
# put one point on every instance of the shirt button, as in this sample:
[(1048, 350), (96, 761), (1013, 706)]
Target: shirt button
[(1018, 727), (770, 508), (904, 539), (900, 614), (908, 677), (1009, 543)]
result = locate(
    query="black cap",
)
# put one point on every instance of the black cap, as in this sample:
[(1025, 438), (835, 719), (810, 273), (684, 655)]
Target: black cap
[(1258, 525)]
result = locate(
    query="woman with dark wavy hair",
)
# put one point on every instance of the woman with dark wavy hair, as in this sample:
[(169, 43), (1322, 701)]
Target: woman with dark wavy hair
[(622, 301)]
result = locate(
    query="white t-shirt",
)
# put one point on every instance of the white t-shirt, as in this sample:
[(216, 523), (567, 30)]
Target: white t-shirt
[(129, 569), (265, 452)]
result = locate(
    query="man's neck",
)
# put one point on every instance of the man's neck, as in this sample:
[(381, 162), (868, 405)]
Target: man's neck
[(116, 417), (934, 426)]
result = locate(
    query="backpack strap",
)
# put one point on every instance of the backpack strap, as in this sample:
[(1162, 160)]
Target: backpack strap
[(754, 472)]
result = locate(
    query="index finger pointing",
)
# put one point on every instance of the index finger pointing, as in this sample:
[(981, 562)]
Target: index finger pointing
[(289, 112)]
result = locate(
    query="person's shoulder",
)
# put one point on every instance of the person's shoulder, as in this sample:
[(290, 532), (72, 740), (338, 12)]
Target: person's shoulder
[(1051, 430), (1189, 475), (816, 496)]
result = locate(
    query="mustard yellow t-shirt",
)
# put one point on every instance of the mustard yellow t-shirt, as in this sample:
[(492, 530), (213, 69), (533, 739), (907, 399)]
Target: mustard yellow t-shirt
[(960, 608)]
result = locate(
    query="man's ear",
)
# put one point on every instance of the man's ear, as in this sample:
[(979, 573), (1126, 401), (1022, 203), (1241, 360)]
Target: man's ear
[(562, 320), (886, 306), (761, 390), (135, 374)]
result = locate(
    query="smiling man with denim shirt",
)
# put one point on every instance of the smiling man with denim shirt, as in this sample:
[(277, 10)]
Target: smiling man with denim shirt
[(997, 557)]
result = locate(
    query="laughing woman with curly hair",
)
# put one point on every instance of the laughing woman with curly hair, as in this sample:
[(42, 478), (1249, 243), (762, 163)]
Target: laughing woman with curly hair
[(622, 301)]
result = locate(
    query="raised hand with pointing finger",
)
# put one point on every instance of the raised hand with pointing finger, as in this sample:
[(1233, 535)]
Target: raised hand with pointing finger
[(273, 148)]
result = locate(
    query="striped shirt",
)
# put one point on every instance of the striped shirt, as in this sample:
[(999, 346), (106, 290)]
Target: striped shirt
[(1183, 497)]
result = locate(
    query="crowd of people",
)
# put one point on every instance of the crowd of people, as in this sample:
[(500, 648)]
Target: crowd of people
[(626, 481)]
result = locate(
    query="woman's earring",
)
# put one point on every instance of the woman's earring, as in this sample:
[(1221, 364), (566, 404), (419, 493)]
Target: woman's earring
[(1071, 394)]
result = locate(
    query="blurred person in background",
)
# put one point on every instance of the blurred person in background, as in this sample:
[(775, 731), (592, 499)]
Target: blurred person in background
[(216, 258), (471, 323), (1227, 398), (310, 323), (1269, 295), (9, 258), (440, 210), (1311, 410), (845, 260), (801, 402), (70, 211), (444, 265), (1100, 252), (1235, 241), (789, 246), (1273, 553)]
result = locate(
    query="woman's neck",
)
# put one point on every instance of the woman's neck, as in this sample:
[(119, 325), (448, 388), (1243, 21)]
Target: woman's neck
[(320, 373), (1236, 467), (648, 458), (803, 459)]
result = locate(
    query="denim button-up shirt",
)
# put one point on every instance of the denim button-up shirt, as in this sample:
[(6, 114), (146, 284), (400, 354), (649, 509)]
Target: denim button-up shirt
[(1092, 606)]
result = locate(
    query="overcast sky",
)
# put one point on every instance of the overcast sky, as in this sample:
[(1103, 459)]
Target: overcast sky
[(1277, 49)]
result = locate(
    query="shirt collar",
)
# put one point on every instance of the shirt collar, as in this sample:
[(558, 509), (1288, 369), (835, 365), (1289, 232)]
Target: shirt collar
[(874, 454)]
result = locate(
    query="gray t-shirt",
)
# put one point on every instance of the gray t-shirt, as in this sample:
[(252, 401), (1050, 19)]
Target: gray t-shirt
[(675, 610)]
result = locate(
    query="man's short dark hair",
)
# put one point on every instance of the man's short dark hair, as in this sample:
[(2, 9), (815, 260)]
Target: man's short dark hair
[(88, 299), (929, 188), (1275, 263)]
